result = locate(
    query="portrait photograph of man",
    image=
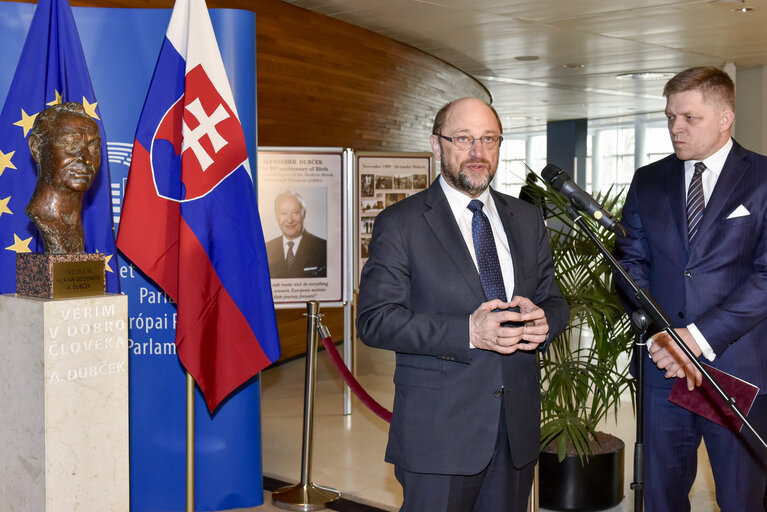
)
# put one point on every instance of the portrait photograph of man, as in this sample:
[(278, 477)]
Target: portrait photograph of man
[(295, 253)]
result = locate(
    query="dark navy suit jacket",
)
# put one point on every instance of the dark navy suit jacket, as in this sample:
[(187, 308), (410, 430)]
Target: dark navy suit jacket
[(416, 293), (720, 282)]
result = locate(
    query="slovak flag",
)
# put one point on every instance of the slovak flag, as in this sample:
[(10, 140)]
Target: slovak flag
[(190, 220)]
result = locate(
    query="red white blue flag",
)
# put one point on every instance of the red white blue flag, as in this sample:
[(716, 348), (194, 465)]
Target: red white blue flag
[(190, 219)]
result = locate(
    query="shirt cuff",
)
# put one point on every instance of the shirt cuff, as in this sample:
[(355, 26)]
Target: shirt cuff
[(702, 343), (470, 345)]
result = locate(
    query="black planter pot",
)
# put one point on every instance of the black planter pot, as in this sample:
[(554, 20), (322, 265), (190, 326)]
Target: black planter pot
[(571, 486)]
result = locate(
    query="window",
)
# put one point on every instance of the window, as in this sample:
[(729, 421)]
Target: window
[(621, 145), (518, 152)]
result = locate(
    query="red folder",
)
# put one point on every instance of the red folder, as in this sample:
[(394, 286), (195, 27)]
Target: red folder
[(706, 402)]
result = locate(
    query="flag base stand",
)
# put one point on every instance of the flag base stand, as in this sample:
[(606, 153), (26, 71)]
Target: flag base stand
[(304, 497)]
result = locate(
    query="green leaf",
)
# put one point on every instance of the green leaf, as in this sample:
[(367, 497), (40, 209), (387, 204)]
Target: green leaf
[(584, 373)]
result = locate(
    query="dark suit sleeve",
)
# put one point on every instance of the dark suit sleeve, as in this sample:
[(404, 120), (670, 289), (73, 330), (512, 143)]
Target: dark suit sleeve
[(385, 318), (547, 295), (745, 307), (632, 251)]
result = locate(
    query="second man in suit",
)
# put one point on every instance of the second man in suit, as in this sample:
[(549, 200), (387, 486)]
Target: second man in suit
[(697, 224), (446, 268)]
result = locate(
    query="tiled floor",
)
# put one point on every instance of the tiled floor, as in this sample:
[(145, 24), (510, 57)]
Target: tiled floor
[(348, 450)]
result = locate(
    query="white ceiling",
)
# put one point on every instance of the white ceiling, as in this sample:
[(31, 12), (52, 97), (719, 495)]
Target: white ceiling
[(600, 38)]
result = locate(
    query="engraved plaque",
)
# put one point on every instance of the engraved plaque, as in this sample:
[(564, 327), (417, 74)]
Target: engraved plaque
[(78, 278), (60, 276)]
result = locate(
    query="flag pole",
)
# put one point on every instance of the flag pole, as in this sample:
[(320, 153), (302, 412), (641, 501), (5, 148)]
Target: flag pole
[(189, 443)]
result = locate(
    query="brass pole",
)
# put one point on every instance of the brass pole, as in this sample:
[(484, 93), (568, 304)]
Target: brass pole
[(532, 506), (189, 443)]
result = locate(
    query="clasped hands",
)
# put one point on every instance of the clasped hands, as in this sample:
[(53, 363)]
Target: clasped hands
[(487, 333), (667, 355)]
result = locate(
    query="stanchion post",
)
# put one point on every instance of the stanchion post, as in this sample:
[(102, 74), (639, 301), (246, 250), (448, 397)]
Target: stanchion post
[(305, 495), (350, 342)]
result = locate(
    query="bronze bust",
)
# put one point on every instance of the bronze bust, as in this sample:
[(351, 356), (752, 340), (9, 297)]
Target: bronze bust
[(66, 144)]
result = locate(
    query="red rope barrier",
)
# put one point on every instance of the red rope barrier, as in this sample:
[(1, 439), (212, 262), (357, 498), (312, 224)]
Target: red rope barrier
[(353, 383)]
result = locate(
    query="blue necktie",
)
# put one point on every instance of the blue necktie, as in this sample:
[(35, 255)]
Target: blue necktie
[(695, 200), (487, 256)]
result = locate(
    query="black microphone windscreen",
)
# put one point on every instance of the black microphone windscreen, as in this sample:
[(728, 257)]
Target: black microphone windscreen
[(555, 176), (549, 172)]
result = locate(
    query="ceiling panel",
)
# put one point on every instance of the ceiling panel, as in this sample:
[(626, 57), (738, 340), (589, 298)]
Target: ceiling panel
[(605, 38)]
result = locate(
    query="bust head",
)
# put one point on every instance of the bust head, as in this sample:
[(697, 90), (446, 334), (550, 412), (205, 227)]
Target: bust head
[(66, 144)]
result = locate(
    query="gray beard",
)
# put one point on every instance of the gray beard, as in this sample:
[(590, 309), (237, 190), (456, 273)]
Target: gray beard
[(462, 182)]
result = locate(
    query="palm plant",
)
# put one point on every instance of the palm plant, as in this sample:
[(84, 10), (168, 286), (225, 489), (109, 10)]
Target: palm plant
[(583, 373)]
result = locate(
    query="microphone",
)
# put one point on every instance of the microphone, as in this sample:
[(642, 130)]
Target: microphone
[(580, 199)]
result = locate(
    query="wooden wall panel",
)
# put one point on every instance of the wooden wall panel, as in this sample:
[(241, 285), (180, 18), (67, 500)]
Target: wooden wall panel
[(292, 327), (324, 82), (328, 83)]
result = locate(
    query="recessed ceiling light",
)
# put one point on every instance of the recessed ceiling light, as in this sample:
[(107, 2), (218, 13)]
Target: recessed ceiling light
[(646, 75), (743, 10), (526, 58)]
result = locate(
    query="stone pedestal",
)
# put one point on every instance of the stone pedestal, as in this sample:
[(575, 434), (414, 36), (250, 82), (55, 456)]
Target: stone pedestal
[(64, 404)]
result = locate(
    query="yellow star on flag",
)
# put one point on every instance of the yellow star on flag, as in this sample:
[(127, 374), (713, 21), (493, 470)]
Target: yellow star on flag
[(5, 161), (19, 245), (106, 263), (56, 101), (4, 206), (90, 108), (26, 122)]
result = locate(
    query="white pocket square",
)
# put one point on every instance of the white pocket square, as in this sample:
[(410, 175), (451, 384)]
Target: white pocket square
[(740, 211)]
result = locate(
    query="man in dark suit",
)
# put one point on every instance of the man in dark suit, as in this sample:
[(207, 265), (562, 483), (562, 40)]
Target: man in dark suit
[(697, 224), (297, 253), (465, 427)]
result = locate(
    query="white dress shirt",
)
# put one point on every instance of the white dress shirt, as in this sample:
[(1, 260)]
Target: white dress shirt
[(459, 203)]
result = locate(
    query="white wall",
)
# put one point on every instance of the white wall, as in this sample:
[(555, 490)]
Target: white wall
[(751, 109)]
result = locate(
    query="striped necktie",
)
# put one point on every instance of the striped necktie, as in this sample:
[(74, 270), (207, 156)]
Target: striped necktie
[(487, 256), (695, 200), (290, 257)]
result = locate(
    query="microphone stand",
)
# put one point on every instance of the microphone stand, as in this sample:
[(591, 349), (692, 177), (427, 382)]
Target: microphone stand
[(659, 318), (641, 323)]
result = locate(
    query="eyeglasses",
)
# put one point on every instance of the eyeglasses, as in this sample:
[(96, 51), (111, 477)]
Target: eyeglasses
[(464, 142)]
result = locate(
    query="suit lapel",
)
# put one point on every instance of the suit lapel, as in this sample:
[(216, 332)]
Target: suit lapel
[(677, 198), (440, 219), (731, 174)]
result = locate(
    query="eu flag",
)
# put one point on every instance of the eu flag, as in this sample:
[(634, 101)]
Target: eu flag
[(189, 218), (51, 70)]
